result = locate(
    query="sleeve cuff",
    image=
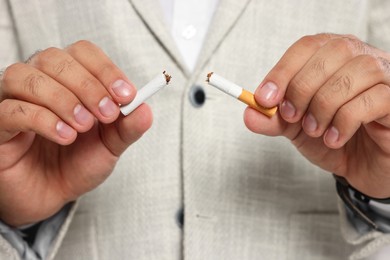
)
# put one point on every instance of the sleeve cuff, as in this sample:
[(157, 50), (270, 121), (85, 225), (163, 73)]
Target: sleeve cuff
[(38, 241)]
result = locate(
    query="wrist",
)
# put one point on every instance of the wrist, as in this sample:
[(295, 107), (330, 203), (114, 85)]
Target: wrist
[(364, 196), (374, 212)]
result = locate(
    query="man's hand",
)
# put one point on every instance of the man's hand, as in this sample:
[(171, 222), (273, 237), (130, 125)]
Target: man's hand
[(334, 98), (61, 131)]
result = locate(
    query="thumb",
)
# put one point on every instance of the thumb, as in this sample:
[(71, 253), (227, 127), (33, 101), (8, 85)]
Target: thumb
[(126, 130)]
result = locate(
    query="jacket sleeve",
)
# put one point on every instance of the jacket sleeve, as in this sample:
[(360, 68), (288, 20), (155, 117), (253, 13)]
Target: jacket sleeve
[(39, 244)]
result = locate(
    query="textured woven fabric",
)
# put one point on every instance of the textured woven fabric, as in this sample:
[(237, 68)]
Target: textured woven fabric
[(46, 233), (245, 196)]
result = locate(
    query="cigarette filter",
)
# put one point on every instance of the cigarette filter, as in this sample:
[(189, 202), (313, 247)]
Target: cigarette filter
[(239, 93), (146, 92)]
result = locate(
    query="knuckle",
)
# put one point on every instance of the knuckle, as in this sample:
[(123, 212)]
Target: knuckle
[(29, 59), (300, 86), (383, 65), (42, 58), (367, 103), (319, 67), (12, 68), (370, 61), (356, 46), (20, 110), (376, 66), (82, 44), (342, 85), (344, 45), (310, 41), (88, 84), (10, 109), (12, 72), (322, 100), (37, 116), (362, 47), (32, 84), (350, 45), (64, 65), (82, 48), (54, 60), (316, 40)]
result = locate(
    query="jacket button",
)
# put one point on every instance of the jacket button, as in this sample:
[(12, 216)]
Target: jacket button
[(197, 96)]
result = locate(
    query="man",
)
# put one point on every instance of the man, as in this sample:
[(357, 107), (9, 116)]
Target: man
[(197, 185)]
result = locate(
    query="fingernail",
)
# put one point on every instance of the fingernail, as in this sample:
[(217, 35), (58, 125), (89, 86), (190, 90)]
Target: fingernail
[(310, 123), (268, 91), (332, 135), (287, 109), (64, 130), (121, 88), (81, 115), (107, 107)]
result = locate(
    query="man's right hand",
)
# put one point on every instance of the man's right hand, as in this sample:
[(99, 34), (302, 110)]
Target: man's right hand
[(61, 131)]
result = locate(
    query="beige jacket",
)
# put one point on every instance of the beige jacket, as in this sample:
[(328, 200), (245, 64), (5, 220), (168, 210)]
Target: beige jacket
[(245, 196)]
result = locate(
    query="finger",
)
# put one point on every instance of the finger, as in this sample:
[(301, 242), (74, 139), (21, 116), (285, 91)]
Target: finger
[(261, 124), (20, 116), (318, 69), (26, 83), (100, 65), (272, 89), (62, 67), (126, 130), (274, 126), (371, 105), (348, 82)]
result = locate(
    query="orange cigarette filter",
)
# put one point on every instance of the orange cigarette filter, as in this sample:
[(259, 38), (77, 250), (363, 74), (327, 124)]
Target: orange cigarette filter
[(238, 92)]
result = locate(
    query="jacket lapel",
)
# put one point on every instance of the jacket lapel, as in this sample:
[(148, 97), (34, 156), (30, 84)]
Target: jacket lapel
[(226, 15), (151, 13)]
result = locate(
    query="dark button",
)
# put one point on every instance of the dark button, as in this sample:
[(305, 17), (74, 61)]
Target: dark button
[(180, 218), (197, 96)]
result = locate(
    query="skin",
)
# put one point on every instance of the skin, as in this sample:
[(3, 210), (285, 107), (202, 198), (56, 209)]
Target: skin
[(334, 104), (56, 142), (61, 131)]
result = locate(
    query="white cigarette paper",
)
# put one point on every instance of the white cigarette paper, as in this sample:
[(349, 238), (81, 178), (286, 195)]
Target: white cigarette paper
[(146, 92), (238, 93)]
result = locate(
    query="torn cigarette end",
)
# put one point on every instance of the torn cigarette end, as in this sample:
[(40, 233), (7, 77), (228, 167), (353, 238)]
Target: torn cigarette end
[(151, 88), (208, 76), (239, 93), (167, 77)]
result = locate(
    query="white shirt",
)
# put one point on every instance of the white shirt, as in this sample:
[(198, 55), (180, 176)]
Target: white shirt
[(189, 21)]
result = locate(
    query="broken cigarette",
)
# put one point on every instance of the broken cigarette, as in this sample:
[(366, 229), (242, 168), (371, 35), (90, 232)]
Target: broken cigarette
[(146, 92), (238, 92)]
